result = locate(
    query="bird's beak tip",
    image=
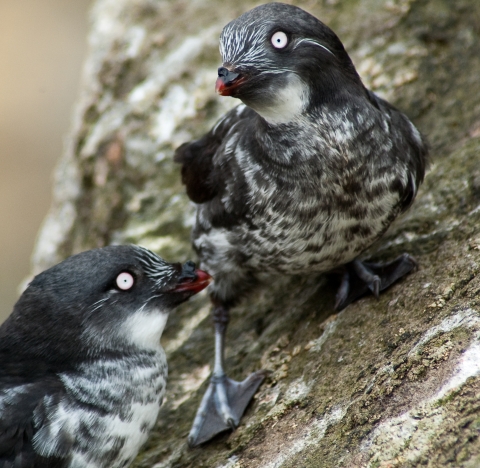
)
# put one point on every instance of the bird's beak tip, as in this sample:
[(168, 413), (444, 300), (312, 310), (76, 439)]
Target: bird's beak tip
[(220, 87), (194, 284)]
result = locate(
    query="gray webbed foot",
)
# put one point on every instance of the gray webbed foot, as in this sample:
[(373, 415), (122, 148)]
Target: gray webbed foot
[(222, 406), (361, 277)]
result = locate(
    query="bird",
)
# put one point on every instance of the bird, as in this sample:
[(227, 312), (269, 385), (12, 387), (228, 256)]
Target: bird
[(82, 372), (305, 174)]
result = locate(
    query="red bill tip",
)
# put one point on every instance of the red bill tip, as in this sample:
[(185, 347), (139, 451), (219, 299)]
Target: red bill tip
[(221, 88), (227, 89), (201, 281)]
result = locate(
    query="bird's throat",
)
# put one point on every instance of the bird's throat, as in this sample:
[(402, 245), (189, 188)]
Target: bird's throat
[(286, 104)]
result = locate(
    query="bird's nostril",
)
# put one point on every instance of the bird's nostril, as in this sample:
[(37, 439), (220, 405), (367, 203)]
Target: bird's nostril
[(189, 267), (222, 71), (226, 76)]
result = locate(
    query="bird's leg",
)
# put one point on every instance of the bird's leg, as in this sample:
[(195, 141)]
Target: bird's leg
[(225, 400), (360, 277)]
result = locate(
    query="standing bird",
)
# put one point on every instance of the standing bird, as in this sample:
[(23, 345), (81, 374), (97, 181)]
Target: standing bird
[(82, 372), (302, 178)]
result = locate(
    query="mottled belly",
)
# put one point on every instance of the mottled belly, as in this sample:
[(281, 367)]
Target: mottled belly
[(291, 242), (320, 245)]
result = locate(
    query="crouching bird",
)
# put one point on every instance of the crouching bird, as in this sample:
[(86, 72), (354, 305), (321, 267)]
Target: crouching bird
[(302, 178), (82, 372)]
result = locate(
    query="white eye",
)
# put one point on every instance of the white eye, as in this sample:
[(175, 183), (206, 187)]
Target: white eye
[(125, 281), (279, 40)]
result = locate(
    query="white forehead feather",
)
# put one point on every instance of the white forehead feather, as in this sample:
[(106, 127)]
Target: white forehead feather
[(245, 45), (155, 267)]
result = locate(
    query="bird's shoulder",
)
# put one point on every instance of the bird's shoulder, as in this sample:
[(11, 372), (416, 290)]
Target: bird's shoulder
[(201, 175), (24, 408)]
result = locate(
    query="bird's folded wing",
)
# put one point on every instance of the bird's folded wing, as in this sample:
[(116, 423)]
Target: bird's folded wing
[(21, 416), (198, 171)]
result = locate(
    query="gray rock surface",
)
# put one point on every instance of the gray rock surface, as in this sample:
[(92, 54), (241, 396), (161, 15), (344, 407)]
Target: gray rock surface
[(387, 383)]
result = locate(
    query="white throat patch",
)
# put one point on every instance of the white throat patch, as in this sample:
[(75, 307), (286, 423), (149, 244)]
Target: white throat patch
[(144, 328), (291, 101)]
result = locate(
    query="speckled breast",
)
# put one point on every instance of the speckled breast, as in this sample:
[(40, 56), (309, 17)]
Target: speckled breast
[(318, 232)]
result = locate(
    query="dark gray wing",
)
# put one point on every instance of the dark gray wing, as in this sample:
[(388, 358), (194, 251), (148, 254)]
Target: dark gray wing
[(22, 414), (201, 178)]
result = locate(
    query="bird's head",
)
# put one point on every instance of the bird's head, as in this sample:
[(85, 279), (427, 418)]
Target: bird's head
[(280, 61), (114, 298)]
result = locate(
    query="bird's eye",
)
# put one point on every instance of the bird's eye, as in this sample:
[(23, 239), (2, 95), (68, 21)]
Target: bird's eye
[(279, 40), (125, 281)]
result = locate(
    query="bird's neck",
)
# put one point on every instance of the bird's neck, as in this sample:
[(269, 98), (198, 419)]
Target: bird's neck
[(298, 103), (324, 130)]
